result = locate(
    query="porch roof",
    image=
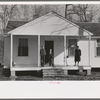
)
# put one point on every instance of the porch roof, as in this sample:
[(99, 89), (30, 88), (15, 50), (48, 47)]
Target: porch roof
[(50, 24)]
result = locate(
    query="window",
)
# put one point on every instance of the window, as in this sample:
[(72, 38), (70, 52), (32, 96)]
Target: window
[(98, 47), (72, 43), (23, 47)]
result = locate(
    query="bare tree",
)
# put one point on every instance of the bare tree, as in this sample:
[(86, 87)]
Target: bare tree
[(25, 9), (6, 13), (36, 10), (30, 12), (81, 11), (85, 12)]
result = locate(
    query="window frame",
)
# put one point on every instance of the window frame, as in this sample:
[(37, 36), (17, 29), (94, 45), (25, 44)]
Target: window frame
[(24, 47), (68, 45), (96, 47)]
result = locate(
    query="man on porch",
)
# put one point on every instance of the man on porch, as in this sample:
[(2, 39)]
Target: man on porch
[(42, 53)]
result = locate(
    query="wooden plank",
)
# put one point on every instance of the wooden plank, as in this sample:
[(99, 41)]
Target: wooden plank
[(26, 69), (75, 68)]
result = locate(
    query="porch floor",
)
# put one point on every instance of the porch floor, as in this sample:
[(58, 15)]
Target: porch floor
[(36, 68)]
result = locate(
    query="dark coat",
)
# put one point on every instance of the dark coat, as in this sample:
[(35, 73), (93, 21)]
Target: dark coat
[(50, 56), (42, 52), (77, 55), (51, 59)]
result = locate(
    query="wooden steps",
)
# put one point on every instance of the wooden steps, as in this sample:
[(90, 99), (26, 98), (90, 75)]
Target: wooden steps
[(63, 71), (53, 72)]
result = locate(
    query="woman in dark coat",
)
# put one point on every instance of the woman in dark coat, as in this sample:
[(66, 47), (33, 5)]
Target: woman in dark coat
[(77, 56)]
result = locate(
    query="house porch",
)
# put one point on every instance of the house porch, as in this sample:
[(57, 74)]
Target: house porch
[(48, 70), (58, 57)]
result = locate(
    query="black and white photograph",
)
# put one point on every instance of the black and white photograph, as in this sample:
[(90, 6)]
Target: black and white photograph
[(49, 50), (48, 42)]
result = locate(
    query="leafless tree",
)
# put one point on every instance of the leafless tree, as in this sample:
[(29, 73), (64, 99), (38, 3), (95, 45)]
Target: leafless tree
[(26, 11), (6, 12), (43, 9), (85, 12), (36, 11), (30, 12)]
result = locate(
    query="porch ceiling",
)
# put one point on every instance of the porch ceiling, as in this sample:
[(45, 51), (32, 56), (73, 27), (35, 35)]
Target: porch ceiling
[(50, 24)]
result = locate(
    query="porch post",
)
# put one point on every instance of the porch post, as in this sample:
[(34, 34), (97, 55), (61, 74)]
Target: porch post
[(89, 50), (64, 50), (13, 76), (11, 54), (38, 50), (89, 70)]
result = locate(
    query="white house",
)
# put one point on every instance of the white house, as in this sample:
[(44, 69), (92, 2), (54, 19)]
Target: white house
[(22, 45)]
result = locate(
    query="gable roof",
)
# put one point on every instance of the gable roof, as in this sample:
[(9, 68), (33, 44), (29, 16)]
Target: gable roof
[(50, 24), (14, 24), (92, 27)]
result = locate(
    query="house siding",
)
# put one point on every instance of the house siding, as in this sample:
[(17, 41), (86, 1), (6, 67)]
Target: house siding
[(32, 57), (7, 51), (95, 60), (58, 48), (83, 44)]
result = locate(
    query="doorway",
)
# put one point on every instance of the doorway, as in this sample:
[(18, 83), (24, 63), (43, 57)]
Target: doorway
[(48, 45)]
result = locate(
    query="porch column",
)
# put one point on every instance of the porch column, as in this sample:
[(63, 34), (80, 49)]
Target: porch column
[(89, 50), (13, 76), (89, 70), (11, 54), (64, 50), (38, 50)]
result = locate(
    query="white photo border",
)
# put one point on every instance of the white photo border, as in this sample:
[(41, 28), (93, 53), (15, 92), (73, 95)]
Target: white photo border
[(50, 89)]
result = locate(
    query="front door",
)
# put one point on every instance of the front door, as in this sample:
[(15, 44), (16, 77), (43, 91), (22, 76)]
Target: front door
[(48, 45)]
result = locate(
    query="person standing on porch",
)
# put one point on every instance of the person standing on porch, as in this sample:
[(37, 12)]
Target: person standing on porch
[(77, 56), (51, 58), (42, 54)]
